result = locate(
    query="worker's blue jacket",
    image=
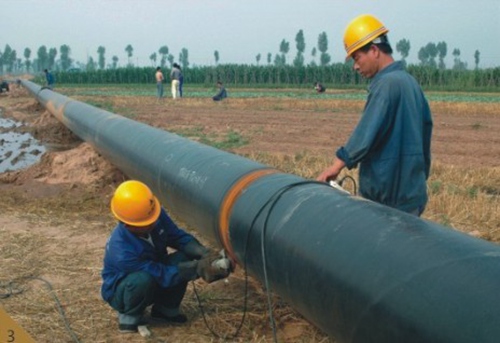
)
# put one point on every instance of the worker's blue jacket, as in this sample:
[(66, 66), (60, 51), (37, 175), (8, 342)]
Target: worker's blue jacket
[(392, 141), (50, 79), (126, 253)]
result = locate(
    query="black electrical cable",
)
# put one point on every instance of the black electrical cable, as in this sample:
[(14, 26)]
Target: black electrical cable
[(18, 290), (354, 186), (236, 333), (12, 288)]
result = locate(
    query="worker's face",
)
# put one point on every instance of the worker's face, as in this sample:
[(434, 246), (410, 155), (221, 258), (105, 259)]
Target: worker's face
[(366, 62)]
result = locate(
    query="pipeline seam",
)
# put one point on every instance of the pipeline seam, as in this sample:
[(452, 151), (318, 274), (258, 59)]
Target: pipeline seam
[(228, 203)]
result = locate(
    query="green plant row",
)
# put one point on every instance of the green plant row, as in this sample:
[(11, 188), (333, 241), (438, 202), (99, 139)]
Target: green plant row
[(340, 75)]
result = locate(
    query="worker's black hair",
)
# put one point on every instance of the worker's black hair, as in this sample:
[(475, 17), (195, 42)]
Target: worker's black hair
[(381, 42)]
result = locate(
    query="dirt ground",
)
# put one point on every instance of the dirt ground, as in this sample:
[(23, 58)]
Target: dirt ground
[(461, 137), (70, 239)]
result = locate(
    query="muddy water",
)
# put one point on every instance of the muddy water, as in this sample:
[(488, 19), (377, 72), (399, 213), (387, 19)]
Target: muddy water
[(18, 150)]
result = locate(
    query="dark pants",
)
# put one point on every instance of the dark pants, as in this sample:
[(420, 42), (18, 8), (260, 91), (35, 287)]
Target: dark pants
[(138, 290)]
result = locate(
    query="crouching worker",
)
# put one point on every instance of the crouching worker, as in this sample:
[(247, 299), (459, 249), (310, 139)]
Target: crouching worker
[(138, 271), (319, 88), (221, 94)]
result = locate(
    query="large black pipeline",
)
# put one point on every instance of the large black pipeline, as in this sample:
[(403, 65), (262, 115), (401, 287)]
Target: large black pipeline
[(360, 271)]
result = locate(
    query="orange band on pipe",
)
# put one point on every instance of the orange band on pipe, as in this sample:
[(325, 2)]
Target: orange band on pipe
[(56, 112), (228, 203)]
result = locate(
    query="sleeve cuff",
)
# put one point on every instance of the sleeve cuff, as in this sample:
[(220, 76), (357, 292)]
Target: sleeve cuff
[(344, 156)]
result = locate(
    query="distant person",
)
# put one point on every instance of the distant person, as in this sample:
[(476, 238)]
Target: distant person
[(392, 140), (49, 78), (319, 87), (222, 94), (138, 269), (181, 81), (175, 75), (4, 86), (159, 83)]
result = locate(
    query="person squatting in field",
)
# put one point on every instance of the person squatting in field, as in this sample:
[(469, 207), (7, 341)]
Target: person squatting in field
[(392, 140), (139, 271), (221, 94), (319, 87)]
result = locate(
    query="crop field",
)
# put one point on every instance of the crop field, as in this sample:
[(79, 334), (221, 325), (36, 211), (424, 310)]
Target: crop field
[(198, 91), (54, 217)]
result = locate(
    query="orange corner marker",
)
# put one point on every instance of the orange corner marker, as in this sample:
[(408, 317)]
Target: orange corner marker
[(11, 332)]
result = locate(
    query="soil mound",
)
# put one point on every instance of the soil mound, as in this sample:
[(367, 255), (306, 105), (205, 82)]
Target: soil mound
[(81, 165), (69, 160)]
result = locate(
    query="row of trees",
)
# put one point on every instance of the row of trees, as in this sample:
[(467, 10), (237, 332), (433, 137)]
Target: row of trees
[(163, 55), (428, 53), (300, 44), (47, 58), (335, 75)]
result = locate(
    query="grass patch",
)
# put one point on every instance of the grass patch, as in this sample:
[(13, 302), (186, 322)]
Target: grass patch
[(106, 105), (194, 133), (476, 126), (232, 140), (465, 199)]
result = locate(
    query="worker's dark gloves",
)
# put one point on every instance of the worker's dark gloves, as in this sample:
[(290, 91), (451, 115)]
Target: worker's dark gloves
[(213, 267), (194, 250), (188, 271)]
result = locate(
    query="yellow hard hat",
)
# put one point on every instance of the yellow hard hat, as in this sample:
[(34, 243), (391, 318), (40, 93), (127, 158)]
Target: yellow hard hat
[(361, 31), (133, 203)]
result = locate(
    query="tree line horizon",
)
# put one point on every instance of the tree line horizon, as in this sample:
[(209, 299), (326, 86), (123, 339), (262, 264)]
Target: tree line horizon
[(431, 55)]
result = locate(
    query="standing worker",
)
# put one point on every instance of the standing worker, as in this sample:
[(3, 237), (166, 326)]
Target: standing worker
[(392, 140), (49, 78), (138, 270), (175, 75), (159, 82), (181, 80)]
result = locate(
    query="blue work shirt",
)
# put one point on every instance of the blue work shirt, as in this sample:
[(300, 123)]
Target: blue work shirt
[(127, 253), (392, 141), (50, 79)]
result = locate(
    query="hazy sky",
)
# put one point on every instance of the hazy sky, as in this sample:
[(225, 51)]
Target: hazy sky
[(240, 29)]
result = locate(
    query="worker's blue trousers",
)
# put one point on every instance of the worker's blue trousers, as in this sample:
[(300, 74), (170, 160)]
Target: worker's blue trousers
[(138, 290)]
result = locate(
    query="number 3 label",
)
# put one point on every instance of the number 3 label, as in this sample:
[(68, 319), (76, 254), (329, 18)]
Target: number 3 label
[(10, 336), (11, 332)]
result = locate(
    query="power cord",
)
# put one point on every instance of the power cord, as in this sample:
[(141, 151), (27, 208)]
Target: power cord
[(13, 289), (354, 185), (245, 300)]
